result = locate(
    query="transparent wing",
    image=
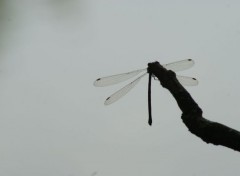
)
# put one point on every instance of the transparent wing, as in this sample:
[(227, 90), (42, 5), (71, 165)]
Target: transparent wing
[(114, 79), (123, 91), (179, 65), (187, 81)]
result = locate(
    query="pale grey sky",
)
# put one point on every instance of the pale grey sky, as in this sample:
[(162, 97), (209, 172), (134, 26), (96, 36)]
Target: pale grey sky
[(52, 119)]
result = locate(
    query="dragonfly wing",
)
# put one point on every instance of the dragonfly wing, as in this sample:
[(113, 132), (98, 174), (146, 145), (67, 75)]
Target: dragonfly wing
[(123, 91), (179, 65), (114, 79), (187, 81)]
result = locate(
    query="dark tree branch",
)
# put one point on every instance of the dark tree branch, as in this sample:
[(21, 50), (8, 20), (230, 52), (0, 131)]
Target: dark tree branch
[(208, 131)]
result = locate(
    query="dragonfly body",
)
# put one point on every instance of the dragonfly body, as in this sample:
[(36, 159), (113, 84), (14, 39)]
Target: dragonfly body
[(114, 79)]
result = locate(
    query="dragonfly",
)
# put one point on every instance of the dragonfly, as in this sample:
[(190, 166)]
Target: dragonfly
[(114, 79)]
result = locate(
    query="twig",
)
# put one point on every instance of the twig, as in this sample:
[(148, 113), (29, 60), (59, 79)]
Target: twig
[(208, 131)]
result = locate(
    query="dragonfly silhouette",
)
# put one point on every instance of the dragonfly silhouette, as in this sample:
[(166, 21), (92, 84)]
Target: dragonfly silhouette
[(114, 79)]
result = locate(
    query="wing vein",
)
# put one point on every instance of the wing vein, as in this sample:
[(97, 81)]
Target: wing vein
[(114, 79), (123, 91)]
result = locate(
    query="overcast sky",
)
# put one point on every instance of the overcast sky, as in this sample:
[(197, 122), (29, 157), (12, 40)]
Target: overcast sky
[(52, 119)]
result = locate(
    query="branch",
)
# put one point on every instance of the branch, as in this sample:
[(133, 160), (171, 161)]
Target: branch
[(208, 131)]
